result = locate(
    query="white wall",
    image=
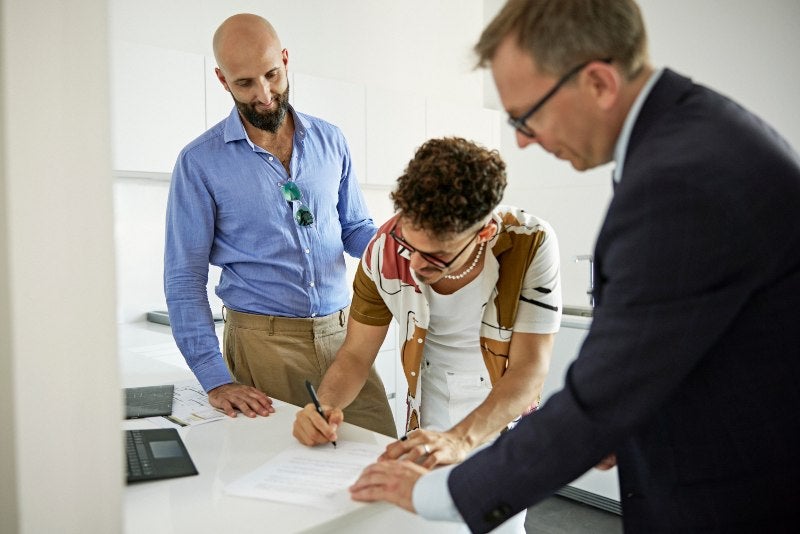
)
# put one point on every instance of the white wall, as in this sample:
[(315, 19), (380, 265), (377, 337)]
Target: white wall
[(745, 49), (415, 44), (60, 454)]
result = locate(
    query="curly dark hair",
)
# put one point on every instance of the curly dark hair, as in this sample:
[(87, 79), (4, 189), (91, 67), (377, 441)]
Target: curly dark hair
[(449, 186)]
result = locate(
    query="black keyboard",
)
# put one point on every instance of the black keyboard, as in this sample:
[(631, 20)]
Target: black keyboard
[(148, 401), (156, 453), (139, 462)]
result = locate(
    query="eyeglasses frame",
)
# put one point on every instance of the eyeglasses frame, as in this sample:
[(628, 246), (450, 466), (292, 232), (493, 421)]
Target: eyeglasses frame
[(520, 123), (430, 258)]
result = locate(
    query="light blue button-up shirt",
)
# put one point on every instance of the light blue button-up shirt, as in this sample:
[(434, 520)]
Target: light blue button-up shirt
[(226, 208)]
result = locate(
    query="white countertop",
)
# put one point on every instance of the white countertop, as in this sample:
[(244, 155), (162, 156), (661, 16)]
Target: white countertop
[(226, 450)]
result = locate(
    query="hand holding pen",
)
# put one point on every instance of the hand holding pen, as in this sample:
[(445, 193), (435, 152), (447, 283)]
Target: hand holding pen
[(311, 426)]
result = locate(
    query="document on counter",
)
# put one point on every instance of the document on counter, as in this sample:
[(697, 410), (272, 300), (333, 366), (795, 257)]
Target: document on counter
[(190, 406), (311, 476)]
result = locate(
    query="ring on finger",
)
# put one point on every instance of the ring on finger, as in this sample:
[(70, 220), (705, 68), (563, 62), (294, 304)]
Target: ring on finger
[(427, 448)]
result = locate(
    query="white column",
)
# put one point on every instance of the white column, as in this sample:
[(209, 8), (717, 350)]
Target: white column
[(61, 447)]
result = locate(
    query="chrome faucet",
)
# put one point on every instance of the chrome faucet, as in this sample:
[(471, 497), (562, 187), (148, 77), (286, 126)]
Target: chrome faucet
[(590, 259)]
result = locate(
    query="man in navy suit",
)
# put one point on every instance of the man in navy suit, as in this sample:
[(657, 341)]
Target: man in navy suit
[(690, 375)]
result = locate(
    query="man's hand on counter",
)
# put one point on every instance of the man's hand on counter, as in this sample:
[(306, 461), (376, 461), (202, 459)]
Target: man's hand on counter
[(232, 397)]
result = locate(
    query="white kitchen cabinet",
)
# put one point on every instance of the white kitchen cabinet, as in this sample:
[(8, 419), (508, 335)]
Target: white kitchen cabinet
[(481, 125), (340, 103), (395, 129), (597, 488), (157, 105)]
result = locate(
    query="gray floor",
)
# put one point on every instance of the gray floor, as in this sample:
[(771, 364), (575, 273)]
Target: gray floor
[(560, 515)]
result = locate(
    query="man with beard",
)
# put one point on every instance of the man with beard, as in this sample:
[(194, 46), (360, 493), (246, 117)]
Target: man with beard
[(476, 290), (269, 195)]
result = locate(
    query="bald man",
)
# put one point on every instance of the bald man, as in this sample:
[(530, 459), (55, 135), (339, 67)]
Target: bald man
[(270, 196)]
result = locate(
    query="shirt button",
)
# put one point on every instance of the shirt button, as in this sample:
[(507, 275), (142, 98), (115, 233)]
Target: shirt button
[(308, 251), (271, 158), (311, 284), (313, 315), (419, 340), (413, 373)]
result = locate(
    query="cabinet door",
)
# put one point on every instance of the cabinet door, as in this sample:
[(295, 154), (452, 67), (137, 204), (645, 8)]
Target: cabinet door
[(395, 129), (340, 103), (476, 124), (157, 105)]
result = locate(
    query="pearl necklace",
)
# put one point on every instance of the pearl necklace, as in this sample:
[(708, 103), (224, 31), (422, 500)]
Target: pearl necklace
[(469, 269)]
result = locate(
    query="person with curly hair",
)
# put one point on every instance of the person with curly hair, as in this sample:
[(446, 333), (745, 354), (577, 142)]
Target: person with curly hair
[(475, 288)]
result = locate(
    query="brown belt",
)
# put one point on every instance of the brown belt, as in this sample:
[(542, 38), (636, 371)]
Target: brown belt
[(288, 325)]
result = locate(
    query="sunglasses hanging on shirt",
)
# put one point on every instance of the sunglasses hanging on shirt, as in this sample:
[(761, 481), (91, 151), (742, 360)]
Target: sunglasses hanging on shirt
[(293, 195)]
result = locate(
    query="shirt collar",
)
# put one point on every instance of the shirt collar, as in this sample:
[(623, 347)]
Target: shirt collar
[(234, 129), (625, 135)]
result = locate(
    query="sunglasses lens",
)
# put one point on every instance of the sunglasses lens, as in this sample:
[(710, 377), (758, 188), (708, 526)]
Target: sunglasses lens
[(290, 192), (303, 216)]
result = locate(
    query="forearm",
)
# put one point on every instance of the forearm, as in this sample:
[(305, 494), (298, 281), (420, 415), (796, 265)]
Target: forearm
[(343, 380), (511, 396)]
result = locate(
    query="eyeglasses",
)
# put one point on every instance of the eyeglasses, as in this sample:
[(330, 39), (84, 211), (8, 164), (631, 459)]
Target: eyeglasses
[(436, 262), (292, 194), (520, 123)]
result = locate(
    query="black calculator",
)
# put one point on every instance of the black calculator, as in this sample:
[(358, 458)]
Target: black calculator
[(156, 453)]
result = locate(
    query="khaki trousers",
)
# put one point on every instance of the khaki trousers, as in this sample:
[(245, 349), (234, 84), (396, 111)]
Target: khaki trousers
[(278, 354)]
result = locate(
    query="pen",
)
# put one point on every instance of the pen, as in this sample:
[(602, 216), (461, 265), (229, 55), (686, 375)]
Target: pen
[(315, 400)]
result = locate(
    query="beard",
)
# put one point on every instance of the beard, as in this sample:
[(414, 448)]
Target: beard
[(268, 121)]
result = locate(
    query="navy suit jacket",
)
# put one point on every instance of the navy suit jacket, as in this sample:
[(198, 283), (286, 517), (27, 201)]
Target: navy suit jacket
[(691, 369)]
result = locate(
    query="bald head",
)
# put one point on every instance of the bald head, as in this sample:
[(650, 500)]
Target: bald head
[(242, 31), (252, 67)]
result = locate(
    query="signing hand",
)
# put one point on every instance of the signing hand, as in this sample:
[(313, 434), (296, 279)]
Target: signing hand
[(311, 429), (427, 448), (390, 481), (248, 400)]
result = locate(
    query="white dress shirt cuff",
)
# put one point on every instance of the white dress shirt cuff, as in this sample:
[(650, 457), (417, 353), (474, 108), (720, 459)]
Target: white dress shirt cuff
[(431, 496)]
